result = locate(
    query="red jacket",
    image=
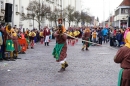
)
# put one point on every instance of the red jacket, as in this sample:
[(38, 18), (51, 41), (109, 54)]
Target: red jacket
[(46, 33)]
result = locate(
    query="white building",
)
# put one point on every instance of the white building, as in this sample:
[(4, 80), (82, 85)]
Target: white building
[(21, 6), (121, 14)]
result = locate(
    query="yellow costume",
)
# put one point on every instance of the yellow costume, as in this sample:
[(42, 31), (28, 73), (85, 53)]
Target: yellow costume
[(41, 34), (32, 34)]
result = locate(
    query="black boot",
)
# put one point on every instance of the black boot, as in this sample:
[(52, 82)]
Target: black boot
[(47, 43), (87, 49)]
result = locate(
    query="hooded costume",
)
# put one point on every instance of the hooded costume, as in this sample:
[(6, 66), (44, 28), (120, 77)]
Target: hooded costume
[(123, 57)]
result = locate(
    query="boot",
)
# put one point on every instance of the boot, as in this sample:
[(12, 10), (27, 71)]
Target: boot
[(11, 59), (86, 48), (16, 56), (82, 49), (6, 57), (66, 64), (62, 68), (11, 56), (47, 43)]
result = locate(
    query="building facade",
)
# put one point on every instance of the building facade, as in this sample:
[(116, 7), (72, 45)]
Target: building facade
[(121, 14), (20, 6)]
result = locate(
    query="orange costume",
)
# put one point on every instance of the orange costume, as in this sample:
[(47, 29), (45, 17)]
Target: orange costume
[(23, 43)]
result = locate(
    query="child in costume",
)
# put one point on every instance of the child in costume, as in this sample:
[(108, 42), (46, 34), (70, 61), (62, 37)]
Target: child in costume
[(32, 35), (60, 50)]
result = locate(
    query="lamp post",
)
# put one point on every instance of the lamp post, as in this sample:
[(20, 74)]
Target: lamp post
[(13, 13)]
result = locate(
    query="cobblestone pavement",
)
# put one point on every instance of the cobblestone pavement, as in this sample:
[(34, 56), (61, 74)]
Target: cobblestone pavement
[(38, 68)]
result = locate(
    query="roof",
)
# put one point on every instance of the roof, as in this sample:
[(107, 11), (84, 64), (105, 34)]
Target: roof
[(125, 3)]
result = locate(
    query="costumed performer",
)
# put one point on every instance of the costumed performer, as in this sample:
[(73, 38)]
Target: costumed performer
[(47, 34), (16, 44), (9, 42), (32, 34), (86, 37), (41, 36), (60, 50), (27, 38), (22, 42), (123, 57)]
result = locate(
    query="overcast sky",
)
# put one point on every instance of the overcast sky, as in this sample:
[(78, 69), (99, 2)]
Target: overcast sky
[(96, 7)]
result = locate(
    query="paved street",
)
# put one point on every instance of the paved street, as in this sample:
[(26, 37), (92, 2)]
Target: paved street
[(38, 68)]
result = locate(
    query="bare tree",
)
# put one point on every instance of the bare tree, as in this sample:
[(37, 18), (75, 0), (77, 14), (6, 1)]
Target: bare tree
[(36, 12), (54, 16), (77, 17), (88, 19), (68, 13), (85, 18)]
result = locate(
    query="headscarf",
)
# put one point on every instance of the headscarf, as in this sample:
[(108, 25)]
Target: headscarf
[(87, 30), (64, 30), (127, 40), (128, 29)]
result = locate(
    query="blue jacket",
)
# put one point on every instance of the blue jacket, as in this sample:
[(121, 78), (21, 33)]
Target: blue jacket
[(119, 36), (104, 32)]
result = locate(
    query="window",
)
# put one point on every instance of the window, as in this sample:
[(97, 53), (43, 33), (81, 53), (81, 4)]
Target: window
[(2, 4), (22, 9), (124, 11), (16, 8), (117, 12)]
